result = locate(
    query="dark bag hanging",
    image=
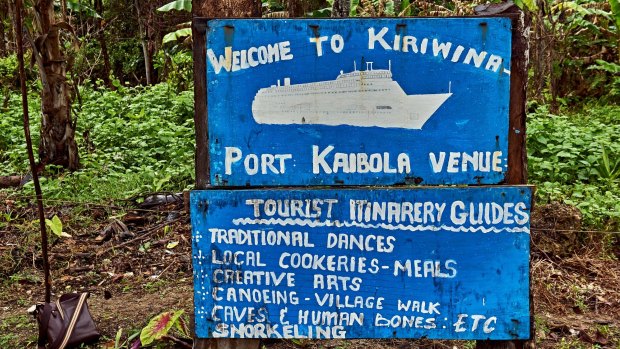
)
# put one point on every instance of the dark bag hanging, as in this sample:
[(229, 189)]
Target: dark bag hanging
[(66, 323)]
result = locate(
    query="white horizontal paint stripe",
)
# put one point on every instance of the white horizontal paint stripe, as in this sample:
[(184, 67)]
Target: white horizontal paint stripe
[(338, 224)]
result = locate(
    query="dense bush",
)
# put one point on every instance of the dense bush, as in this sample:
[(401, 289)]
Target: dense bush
[(132, 140), (572, 159)]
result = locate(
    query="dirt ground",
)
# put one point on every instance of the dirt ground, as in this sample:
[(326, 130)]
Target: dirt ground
[(135, 260)]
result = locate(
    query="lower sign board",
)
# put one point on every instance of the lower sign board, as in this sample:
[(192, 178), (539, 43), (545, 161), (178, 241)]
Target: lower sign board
[(440, 263)]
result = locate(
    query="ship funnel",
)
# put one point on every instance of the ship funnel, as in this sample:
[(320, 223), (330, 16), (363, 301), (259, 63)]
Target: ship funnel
[(287, 81), (354, 66), (390, 65), (278, 82), (368, 65)]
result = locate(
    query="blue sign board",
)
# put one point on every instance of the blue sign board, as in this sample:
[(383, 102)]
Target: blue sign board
[(439, 263), (358, 101)]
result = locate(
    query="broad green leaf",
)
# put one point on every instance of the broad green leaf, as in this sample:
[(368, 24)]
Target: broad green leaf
[(605, 158), (519, 3), (159, 326), (389, 8), (526, 4), (615, 11), (405, 8), (179, 5), (55, 225), (564, 154), (530, 4), (181, 326), (175, 35), (353, 8), (81, 6)]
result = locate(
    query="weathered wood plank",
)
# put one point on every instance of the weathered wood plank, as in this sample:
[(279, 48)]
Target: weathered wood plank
[(517, 154), (200, 105)]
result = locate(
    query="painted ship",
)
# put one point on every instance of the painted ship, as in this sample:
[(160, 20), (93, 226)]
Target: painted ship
[(359, 98)]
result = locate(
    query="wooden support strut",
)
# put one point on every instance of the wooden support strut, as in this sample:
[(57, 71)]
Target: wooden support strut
[(517, 155), (211, 9)]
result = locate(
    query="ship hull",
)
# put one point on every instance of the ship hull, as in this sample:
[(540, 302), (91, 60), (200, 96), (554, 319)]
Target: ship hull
[(364, 110), (361, 98)]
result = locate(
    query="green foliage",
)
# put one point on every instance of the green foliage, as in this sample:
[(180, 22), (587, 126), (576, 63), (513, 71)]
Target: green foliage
[(159, 326), (8, 70), (55, 225), (10, 325), (176, 66), (81, 7), (615, 10), (606, 169), (13, 158), (372, 8), (126, 57), (9, 79), (575, 159), (132, 140), (526, 4), (609, 81), (176, 35), (179, 5), (119, 343), (575, 51)]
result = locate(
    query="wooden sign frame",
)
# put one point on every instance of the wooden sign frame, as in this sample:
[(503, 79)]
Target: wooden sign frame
[(517, 156)]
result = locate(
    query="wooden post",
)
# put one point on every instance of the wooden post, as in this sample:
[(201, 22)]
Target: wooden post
[(201, 160), (517, 154), (341, 8), (212, 9)]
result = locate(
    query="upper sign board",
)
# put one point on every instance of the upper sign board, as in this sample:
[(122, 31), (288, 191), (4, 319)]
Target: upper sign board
[(358, 101)]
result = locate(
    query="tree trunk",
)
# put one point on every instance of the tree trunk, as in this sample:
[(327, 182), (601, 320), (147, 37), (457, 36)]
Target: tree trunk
[(228, 8), (57, 144), (103, 45), (341, 8), (148, 61), (295, 8), (147, 51), (3, 37), (10, 34), (517, 155)]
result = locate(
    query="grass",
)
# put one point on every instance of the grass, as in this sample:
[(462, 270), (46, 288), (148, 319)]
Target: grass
[(9, 329)]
